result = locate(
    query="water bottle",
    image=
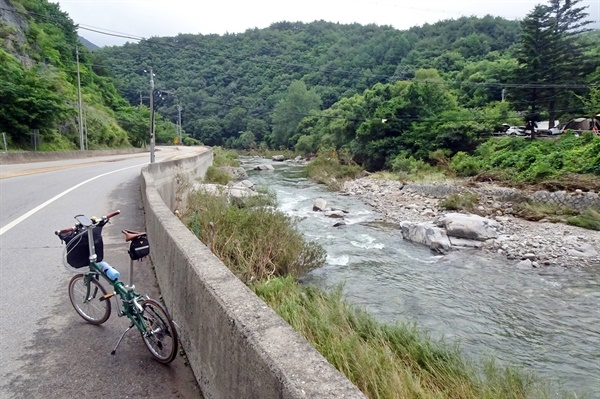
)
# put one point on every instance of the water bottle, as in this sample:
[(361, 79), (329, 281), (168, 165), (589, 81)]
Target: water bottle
[(110, 271)]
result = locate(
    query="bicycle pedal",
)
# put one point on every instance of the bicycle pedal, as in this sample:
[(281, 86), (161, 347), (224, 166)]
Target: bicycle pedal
[(107, 296)]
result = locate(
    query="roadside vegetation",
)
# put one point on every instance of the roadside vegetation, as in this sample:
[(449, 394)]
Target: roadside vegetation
[(262, 247), (222, 158)]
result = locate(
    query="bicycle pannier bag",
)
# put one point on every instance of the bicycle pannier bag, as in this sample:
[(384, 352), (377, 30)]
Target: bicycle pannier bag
[(139, 247), (78, 252)]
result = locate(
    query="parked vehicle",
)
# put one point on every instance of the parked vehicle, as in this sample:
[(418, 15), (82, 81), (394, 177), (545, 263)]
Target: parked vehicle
[(554, 130), (544, 129), (515, 131), (582, 125)]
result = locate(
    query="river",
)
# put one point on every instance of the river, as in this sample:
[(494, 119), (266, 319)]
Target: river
[(545, 320)]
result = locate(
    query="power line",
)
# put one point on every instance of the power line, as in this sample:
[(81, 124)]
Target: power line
[(111, 34)]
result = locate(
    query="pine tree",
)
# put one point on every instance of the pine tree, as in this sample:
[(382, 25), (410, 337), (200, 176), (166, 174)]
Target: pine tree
[(532, 56), (549, 55), (568, 21)]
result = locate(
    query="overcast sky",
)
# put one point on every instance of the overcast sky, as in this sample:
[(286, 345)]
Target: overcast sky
[(146, 18)]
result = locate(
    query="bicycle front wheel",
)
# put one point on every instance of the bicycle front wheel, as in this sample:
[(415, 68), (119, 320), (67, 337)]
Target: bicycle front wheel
[(160, 336), (85, 292)]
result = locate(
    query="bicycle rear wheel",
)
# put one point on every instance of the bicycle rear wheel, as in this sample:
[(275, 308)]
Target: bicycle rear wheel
[(85, 292), (161, 336)]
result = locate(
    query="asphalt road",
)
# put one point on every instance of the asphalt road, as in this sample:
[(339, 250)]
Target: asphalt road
[(46, 349)]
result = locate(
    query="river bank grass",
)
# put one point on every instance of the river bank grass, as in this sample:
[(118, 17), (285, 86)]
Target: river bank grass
[(389, 361), (254, 241), (332, 170), (263, 248)]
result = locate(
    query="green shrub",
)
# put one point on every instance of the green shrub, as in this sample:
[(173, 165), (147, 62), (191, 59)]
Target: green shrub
[(465, 165), (216, 176), (458, 202), (533, 161), (539, 170), (331, 171), (410, 165), (189, 141), (223, 157)]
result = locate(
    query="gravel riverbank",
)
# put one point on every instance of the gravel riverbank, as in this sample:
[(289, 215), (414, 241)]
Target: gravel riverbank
[(530, 244)]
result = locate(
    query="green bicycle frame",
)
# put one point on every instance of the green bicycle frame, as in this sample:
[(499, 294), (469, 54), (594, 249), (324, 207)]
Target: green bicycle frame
[(131, 308), (128, 297)]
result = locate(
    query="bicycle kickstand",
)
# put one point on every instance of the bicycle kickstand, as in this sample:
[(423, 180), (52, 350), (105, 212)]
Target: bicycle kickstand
[(120, 339)]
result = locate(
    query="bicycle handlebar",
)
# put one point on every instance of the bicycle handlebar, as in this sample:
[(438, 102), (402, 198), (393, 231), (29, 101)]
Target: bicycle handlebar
[(103, 220), (110, 215)]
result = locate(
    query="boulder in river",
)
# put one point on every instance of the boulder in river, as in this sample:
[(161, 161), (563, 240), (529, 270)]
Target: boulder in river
[(427, 234), (320, 205), (263, 166), (469, 226)]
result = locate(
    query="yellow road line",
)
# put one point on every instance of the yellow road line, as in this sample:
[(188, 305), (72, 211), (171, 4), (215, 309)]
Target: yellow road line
[(16, 173)]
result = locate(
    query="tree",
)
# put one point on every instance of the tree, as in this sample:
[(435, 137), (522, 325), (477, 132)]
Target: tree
[(209, 131), (136, 121), (568, 22), (31, 99), (550, 54), (288, 113), (235, 122), (533, 58)]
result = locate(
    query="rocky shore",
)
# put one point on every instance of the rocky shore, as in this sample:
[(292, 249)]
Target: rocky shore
[(527, 243)]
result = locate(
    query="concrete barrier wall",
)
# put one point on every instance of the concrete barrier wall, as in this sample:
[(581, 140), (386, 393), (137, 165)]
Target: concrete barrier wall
[(236, 345), (42, 156)]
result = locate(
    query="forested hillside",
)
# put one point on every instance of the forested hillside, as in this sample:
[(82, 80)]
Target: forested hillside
[(38, 71), (230, 84)]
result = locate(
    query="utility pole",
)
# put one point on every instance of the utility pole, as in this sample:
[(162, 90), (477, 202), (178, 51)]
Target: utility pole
[(85, 131), (179, 122), (151, 116), (81, 147)]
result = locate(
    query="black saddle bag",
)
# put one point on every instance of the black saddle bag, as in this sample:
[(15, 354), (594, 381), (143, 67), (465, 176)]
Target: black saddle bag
[(139, 247)]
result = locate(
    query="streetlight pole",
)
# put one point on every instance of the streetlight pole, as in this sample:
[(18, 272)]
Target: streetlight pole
[(151, 116)]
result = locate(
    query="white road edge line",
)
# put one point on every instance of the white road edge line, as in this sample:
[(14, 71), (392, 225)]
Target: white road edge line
[(51, 200)]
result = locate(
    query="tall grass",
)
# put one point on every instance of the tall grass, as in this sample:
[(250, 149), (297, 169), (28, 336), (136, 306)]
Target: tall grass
[(590, 219), (388, 361), (216, 176), (461, 202), (332, 171), (536, 211), (255, 242), (223, 157)]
